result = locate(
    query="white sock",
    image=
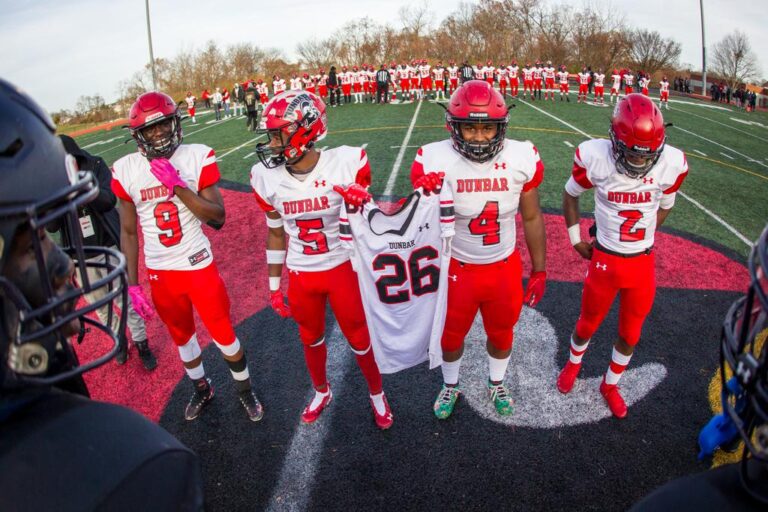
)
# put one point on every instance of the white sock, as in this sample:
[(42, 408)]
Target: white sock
[(378, 403), (451, 371), (195, 373), (577, 351), (497, 368), (620, 362), (319, 396)]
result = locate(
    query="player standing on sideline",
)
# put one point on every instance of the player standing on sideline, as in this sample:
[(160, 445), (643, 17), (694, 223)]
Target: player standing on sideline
[(322, 83), (172, 188), (190, 99), (485, 272), (629, 79), (583, 85), (438, 74), (528, 80), (562, 77), (664, 93), (453, 77), (599, 79), (294, 184), (405, 83), (635, 177), (549, 80), (538, 73), (616, 77), (514, 80), (425, 78), (295, 83), (643, 83)]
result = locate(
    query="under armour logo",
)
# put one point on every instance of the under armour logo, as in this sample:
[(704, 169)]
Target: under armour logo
[(604, 266), (154, 277), (425, 226), (648, 180), (453, 278), (502, 165), (294, 272), (319, 183)]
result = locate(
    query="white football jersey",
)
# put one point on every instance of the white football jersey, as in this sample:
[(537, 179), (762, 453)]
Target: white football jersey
[(296, 84), (625, 208), (616, 81), (584, 78), (513, 71), (599, 79), (173, 236), (453, 72), (310, 208), (629, 79), (401, 262), (664, 86), (486, 195), (562, 77)]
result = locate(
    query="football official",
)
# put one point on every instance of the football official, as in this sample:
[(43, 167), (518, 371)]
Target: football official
[(382, 85), (59, 450)]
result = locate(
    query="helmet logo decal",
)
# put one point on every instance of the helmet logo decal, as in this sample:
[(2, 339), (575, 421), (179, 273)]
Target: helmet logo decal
[(478, 114), (152, 117)]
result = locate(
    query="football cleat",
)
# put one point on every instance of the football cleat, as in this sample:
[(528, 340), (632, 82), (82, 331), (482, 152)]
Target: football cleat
[(122, 352), (202, 395), (567, 377), (145, 354), (614, 400), (251, 405), (309, 415), (383, 421), (501, 400), (446, 401)]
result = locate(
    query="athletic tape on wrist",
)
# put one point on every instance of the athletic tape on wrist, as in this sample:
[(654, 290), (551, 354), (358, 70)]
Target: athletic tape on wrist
[(574, 233), (274, 283), (275, 257), (274, 223)]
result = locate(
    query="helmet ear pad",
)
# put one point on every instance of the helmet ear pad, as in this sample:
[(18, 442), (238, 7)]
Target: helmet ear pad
[(477, 102), (637, 134)]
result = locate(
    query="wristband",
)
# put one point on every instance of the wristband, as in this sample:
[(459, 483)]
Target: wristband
[(275, 257), (574, 233), (274, 283), (274, 223)]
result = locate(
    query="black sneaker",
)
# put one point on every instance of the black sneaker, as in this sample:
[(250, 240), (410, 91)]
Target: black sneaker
[(251, 405), (122, 353), (146, 355), (203, 394)]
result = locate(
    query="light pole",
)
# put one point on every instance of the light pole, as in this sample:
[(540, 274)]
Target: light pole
[(151, 55), (703, 52)]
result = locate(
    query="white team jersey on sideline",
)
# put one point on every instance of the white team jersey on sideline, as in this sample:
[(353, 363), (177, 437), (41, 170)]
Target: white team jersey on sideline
[(402, 262), (310, 208), (486, 195), (173, 236), (625, 208)]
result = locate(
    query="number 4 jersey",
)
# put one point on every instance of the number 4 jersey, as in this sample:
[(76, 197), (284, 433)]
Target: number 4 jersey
[(625, 208), (173, 236), (401, 262)]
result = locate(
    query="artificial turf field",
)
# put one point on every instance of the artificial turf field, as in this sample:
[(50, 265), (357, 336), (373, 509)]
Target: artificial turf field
[(556, 452)]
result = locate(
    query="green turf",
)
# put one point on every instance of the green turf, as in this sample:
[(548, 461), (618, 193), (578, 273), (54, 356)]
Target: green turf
[(731, 188)]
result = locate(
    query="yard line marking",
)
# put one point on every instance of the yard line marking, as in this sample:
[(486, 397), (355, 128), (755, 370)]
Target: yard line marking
[(718, 144), (249, 155), (401, 153), (722, 124), (567, 143), (323, 148), (239, 147), (113, 147), (395, 147), (729, 156), (100, 142), (211, 126), (364, 145), (699, 152), (695, 203)]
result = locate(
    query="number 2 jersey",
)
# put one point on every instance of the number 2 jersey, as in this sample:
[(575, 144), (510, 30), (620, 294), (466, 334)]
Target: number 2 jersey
[(173, 236), (625, 208), (310, 208), (401, 262), (486, 195)]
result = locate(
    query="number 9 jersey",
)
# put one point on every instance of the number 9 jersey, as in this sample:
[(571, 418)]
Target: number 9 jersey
[(173, 236)]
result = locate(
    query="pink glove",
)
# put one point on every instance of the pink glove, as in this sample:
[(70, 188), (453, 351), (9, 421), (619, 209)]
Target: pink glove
[(430, 182), (355, 194), (166, 174), (139, 301), (278, 304), (537, 283)]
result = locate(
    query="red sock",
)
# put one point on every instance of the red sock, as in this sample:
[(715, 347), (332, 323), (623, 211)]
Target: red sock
[(315, 356), (370, 370)]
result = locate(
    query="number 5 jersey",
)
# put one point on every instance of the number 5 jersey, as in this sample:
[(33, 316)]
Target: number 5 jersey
[(173, 236), (401, 262)]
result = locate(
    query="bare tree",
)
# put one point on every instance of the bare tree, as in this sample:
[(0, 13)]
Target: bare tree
[(652, 52), (734, 60), (317, 53)]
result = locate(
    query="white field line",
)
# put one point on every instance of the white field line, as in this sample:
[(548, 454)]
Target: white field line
[(322, 148), (693, 201), (726, 155), (249, 155), (400, 154), (722, 124), (699, 152), (241, 146), (747, 157), (567, 143)]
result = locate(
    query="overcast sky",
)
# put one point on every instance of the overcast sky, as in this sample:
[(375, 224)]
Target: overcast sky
[(60, 50)]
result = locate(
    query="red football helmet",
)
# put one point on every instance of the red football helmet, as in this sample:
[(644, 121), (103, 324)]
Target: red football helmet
[(297, 120), (149, 109), (477, 102), (637, 135)]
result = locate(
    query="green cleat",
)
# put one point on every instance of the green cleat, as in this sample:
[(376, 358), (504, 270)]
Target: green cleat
[(445, 401), (501, 399)]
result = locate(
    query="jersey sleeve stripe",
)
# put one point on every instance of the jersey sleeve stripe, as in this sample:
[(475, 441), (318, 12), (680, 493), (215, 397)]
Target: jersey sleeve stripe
[(262, 203), (678, 182), (579, 172), (209, 175), (363, 176), (538, 177), (119, 191), (209, 158), (417, 168)]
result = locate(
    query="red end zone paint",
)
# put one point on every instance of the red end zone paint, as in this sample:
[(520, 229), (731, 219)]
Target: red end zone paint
[(239, 252)]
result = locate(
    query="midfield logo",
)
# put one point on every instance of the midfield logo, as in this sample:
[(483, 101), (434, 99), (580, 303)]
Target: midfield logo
[(319, 183), (502, 165), (648, 180)]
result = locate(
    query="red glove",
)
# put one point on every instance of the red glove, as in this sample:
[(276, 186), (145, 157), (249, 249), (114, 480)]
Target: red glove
[(139, 301), (355, 194), (278, 304), (537, 283), (166, 174), (430, 182)]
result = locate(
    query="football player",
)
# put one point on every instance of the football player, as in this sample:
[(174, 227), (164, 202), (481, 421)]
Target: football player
[(513, 77), (491, 177), (664, 93), (294, 185), (635, 175), (599, 78), (616, 77), (562, 77), (583, 85), (190, 99), (58, 449), (172, 188)]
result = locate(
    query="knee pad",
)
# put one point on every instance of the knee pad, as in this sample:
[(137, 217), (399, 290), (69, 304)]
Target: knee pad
[(190, 350), (229, 350)]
